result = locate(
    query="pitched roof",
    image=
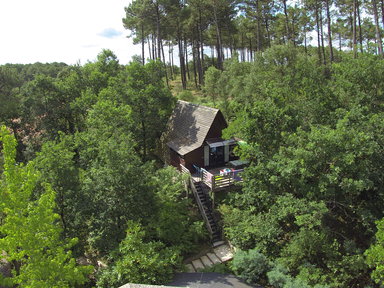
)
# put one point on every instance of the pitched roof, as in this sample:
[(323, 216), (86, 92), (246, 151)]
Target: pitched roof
[(188, 126)]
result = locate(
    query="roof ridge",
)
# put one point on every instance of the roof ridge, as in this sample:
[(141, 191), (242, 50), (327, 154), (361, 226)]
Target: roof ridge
[(198, 105)]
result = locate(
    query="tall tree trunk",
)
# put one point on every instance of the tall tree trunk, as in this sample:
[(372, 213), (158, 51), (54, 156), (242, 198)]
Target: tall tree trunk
[(250, 50), (149, 48), (377, 26), (267, 30), (258, 30), (159, 44), (153, 48), (286, 20), (318, 35), (322, 38), (354, 29), (382, 12), (242, 48), (329, 32), (142, 44), (359, 23), (218, 40), (194, 62), (170, 60), (201, 47), (305, 41), (165, 64), (198, 60), (182, 63), (186, 59)]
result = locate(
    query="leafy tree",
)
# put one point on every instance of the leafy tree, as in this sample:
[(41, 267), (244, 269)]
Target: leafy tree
[(250, 265), (375, 254), (57, 164), (137, 261), (30, 239), (151, 103), (174, 223), (112, 176)]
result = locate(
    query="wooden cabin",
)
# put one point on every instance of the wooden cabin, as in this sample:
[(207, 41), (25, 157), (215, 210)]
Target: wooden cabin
[(193, 138)]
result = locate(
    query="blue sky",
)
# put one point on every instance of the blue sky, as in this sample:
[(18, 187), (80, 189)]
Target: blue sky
[(67, 31)]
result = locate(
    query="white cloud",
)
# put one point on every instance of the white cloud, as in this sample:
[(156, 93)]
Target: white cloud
[(62, 31)]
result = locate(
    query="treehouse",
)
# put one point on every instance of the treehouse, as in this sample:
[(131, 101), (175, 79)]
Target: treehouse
[(193, 144)]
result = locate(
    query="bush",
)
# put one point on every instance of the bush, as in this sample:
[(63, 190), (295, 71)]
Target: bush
[(251, 266)]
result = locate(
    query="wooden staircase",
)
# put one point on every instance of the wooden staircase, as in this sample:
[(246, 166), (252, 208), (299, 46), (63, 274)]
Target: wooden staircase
[(205, 206)]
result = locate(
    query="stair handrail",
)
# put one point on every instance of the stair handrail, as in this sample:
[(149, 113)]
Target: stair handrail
[(201, 207)]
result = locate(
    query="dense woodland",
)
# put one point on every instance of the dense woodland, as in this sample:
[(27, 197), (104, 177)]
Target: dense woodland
[(191, 30), (85, 200)]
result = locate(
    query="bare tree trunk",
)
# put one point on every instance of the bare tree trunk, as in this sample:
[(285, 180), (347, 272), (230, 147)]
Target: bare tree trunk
[(201, 48), (153, 48), (305, 42), (170, 60), (250, 50), (173, 72), (182, 63), (199, 66), (186, 59), (218, 40), (354, 29), (159, 44), (382, 12), (329, 32), (286, 20), (318, 35), (194, 62), (378, 36), (242, 48), (267, 30), (258, 30), (165, 64), (149, 48), (359, 23), (142, 45), (322, 38)]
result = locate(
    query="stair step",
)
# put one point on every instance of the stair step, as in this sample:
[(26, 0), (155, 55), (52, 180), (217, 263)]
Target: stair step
[(214, 259), (223, 252), (206, 261), (197, 264)]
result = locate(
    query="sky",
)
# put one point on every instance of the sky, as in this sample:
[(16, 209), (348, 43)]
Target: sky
[(69, 31)]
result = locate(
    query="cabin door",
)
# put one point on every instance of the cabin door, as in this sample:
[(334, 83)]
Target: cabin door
[(216, 156)]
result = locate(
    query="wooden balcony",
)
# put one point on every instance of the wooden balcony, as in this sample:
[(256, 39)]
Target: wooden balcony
[(221, 178), (216, 179)]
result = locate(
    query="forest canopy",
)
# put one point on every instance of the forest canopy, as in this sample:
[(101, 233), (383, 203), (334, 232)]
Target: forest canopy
[(302, 85)]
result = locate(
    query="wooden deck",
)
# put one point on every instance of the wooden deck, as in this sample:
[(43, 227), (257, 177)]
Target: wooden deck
[(218, 178)]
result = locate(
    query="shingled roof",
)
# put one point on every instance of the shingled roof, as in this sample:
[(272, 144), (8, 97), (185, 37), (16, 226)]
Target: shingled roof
[(189, 126)]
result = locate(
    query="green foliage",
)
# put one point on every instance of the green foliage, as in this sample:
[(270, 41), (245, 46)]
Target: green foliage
[(30, 238), (174, 224), (212, 87), (251, 266), (313, 191), (375, 254), (137, 261), (112, 176)]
